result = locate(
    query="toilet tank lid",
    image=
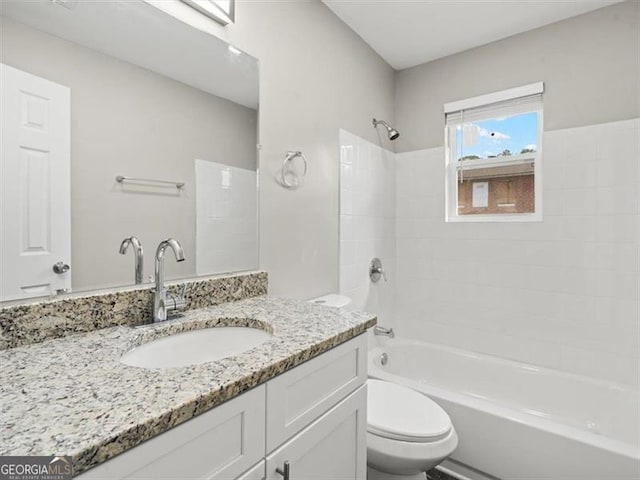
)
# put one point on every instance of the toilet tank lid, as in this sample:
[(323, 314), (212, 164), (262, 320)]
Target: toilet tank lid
[(333, 300)]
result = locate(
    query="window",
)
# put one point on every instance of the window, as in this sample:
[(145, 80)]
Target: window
[(493, 149), (222, 11)]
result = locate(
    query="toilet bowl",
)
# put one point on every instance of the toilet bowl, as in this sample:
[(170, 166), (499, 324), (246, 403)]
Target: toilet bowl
[(407, 433)]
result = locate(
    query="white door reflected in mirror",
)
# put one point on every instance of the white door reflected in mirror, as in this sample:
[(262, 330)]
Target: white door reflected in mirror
[(35, 218)]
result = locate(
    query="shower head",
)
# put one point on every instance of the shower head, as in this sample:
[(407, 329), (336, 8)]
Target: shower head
[(392, 132)]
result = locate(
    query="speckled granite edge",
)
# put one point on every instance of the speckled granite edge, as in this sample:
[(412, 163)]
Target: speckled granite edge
[(144, 431), (35, 322)]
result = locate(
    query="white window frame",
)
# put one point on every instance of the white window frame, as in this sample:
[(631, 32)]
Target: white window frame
[(501, 101), (213, 10)]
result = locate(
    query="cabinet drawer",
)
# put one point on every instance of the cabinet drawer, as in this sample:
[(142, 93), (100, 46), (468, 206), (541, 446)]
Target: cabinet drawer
[(296, 398), (219, 444)]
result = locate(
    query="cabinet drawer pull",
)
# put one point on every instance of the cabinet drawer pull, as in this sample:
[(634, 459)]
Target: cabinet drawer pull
[(284, 471)]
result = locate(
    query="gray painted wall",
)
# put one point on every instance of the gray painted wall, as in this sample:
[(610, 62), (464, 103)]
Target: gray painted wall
[(589, 63), (316, 76), (126, 120)]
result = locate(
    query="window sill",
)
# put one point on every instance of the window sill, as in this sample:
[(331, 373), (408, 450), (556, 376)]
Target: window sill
[(518, 218)]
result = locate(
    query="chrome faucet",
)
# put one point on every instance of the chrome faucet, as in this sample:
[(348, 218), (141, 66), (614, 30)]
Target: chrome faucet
[(385, 332), (163, 302), (139, 255)]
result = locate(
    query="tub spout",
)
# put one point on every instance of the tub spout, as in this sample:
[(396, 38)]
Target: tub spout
[(385, 332)]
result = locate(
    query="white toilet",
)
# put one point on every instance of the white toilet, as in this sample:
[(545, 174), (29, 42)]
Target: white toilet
[(334, 300), (407, 432)]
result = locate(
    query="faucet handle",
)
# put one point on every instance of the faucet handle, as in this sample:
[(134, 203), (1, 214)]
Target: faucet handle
[(175, 302), (376, 271)]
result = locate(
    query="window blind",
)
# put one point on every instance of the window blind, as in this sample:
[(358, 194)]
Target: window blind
[(503, 108)]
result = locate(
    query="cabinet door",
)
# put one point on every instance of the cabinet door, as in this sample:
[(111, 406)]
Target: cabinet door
[(298, 397), (220, 444), (255, 473), (334, 447)]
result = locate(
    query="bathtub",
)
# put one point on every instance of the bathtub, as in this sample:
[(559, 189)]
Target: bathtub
[(519, 421)]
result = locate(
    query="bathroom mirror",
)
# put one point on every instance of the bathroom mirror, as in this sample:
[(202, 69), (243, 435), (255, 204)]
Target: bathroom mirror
[(96, 91)]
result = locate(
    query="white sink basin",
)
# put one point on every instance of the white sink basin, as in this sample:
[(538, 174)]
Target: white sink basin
[(195, 347)]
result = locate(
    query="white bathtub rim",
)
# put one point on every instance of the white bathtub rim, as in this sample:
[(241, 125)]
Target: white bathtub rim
[(576, 434), (619, 386), (613, 387), (533, 421)]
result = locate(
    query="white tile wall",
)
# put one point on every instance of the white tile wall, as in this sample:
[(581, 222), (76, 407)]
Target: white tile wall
[(562, 293), (226, 218), (367, 224)]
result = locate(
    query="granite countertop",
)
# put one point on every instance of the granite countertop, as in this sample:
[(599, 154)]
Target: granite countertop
[(71, 396)]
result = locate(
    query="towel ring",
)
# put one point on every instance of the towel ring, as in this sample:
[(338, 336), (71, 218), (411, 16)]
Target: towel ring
[(291, 155)]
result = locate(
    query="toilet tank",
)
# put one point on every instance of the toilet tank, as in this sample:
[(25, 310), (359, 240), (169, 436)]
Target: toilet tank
[(334, 300)]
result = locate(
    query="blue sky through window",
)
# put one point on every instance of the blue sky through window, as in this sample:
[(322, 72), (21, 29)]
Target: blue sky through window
[(494, 136)]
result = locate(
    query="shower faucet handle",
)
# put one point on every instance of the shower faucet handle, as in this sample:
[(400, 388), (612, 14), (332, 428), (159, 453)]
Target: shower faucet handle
[(376, 271)]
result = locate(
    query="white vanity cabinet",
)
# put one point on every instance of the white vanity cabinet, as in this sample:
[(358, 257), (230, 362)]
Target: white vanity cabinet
[(313, 417), (317, 417), (255, 473), (334, 447), (220, 444), (298, 397)]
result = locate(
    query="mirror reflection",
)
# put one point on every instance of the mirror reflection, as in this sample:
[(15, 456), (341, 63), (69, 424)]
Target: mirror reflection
[(122, 127)]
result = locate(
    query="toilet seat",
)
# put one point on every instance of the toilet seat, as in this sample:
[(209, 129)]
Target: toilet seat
[(397, 412)]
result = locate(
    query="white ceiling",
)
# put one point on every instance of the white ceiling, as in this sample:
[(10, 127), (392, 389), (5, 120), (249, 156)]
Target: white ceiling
[(410, 32), (138, 33)]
